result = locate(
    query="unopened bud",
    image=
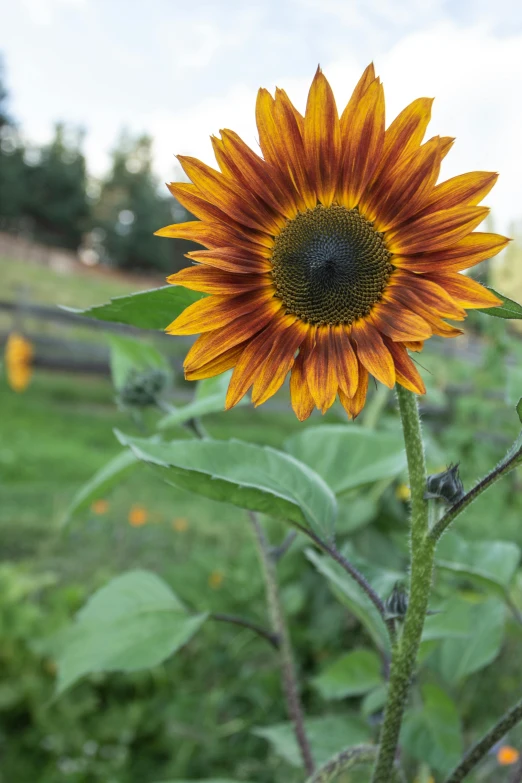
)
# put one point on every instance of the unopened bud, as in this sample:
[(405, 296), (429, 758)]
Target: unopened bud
[(445, 486), (397, 604), (142, 389)]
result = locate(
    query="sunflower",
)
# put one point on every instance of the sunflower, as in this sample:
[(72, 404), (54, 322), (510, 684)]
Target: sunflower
[(331, 256)]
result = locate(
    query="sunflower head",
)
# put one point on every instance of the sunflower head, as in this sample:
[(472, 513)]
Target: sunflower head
[(332, 254)]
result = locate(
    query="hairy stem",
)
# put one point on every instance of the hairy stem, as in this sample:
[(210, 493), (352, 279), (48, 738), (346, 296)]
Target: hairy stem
[(343, 761), (280, 629), (513, 459), (270, 637), (483, 746), (406, 648)]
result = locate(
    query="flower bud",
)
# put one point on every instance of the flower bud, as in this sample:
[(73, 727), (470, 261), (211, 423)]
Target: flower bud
[(446, 486), (142, 389), (397, 603)]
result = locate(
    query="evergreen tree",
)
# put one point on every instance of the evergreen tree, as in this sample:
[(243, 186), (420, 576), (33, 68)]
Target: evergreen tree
[(12, 167), (56, 200), (130, 208)]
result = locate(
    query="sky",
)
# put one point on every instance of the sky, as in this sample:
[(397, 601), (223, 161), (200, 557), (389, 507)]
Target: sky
[(182, 70)]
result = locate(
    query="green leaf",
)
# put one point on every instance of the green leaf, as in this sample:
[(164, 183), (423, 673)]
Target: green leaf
[(348, 592), (492, 564), (200, 780), (328, 735), (519, 409), (349, 457), (375, 701), (508, 308), (254, 477), (128, 355), (134, 622), (451, 621), (457, 658), (209, 398), (353, 674), (102, 481), (432, 733), (154, 309)]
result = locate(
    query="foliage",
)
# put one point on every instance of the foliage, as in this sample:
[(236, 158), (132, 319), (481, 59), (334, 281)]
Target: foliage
[(210, 709)]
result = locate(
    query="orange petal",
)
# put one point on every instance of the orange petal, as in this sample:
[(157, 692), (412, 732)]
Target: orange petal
[(436, 231), (410, 301), (281, 143), (414, 345), (215, 281), (362, 145), (210, 345), (225, 361), (398, 323), (231, 259), (252, 358), (228, 195), (466, 291), (215, 235), (258, 175), (404, 188), (213, 312), (465, 189), (406, 132), (343, 355), (372, 352), (468, 252), (446, 143), (322, 138), (405, 371), (351, 107), (302, 401), (354, 405), (320, 370), (191, 198), (279, 362), (433, 296)]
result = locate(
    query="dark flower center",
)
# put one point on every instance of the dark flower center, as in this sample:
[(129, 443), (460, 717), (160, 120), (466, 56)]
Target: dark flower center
[(330, 265)]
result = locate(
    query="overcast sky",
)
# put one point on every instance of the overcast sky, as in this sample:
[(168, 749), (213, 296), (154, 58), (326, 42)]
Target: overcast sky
[(183, 70)]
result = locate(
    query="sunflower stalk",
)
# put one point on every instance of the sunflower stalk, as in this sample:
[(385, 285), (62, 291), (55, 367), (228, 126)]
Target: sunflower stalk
[(475, 755), (280, 630), (406, 647)]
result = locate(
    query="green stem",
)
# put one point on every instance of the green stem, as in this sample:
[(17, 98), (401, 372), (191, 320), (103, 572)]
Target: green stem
[(406, 648), (343, 761), (280, 629), (488, 741), (508, 464)]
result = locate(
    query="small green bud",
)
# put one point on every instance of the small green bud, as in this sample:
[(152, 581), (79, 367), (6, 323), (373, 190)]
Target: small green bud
[(397, 604), (142, 389), (446, 486)]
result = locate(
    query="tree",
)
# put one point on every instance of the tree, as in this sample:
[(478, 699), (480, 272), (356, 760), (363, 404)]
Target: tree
[(56, 199), (12, 166), (130, 208)]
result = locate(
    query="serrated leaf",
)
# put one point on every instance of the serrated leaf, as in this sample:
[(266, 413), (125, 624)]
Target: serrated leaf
[(258, 478), (153, 309), (102, 481), (327, 735), (456, 658), (349, 457), (209, 398), (432, 733), (353, 674), (508, 309), (348, 592), (134, 622), (492, 564), (129, 355)]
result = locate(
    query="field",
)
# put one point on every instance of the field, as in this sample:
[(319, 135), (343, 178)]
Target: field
[(194, 716)]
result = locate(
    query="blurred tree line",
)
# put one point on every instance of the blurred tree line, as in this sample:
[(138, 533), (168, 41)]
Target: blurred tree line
[(46, 195)]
